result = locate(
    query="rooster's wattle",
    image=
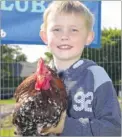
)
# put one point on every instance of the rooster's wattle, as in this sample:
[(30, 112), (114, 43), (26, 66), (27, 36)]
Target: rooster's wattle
[(42, 98)]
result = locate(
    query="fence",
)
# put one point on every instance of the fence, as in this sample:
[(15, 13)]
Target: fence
[(109, 57), (13, 72)]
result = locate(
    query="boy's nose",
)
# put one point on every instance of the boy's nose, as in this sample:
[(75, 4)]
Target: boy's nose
[(65, 36)]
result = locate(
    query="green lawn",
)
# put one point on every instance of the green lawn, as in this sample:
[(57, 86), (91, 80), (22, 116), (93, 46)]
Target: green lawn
[(7, 132), (7, 128), (7, 101)]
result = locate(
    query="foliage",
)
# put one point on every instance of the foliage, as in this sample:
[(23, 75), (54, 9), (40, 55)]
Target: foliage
[(48, 57), (10, 54)]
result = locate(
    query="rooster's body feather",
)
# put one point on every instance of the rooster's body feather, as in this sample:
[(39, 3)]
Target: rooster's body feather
[(42, 100)]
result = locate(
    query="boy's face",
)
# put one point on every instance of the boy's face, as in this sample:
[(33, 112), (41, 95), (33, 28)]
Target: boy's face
[(66, 35)]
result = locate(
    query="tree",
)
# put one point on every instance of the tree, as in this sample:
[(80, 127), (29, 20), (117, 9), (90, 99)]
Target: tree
[(11, 54)]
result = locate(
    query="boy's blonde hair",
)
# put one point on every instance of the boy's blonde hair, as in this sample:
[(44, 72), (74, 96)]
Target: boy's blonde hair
[(69, 6)]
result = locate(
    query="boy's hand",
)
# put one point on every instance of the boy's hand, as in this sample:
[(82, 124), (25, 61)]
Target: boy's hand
[(58, 129)]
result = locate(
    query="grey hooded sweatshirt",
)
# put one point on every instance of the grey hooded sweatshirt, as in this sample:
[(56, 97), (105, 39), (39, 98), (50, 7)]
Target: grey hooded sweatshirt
[(93, 108)]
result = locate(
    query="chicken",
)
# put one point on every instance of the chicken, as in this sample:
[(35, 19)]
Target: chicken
[(41, 99)]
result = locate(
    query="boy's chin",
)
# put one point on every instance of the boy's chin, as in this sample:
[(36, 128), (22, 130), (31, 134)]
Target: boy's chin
[(66, 58)]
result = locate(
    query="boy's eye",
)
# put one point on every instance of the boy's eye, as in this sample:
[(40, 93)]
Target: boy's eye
[(57, 29), (74, 30)]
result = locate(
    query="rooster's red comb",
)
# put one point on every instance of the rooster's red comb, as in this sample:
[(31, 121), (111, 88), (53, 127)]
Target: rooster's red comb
[(40, 66), (43, 76)]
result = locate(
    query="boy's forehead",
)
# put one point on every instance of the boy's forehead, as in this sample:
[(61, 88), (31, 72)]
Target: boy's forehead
[(69, 14), (59, 17)]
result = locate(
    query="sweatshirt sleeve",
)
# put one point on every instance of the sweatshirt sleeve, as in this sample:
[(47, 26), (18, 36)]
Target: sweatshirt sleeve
[(107, 116)]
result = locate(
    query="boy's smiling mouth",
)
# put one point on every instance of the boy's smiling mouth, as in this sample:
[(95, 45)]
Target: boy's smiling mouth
[(64, 47)]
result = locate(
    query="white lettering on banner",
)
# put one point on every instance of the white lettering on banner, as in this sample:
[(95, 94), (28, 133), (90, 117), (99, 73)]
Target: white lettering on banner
[(5, 7), (21, 9), (2, 33), (37, 6), (83, 101)]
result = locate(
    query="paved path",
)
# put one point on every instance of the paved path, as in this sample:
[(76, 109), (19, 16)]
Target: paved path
[(6, 110)]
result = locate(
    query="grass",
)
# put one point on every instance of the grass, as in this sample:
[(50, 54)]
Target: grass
[(7, 132), (7, 101), (7, 129)]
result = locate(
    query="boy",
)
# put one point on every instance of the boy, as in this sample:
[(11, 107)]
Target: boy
[(93, 107)]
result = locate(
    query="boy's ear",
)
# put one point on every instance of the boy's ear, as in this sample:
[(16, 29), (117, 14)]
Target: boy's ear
[(43, 36), (90, 38)]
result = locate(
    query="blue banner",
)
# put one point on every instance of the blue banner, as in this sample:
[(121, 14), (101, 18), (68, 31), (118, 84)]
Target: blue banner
[(21, 21)]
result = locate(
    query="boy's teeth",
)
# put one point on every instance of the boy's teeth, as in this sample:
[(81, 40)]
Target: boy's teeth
[(64, 46)]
